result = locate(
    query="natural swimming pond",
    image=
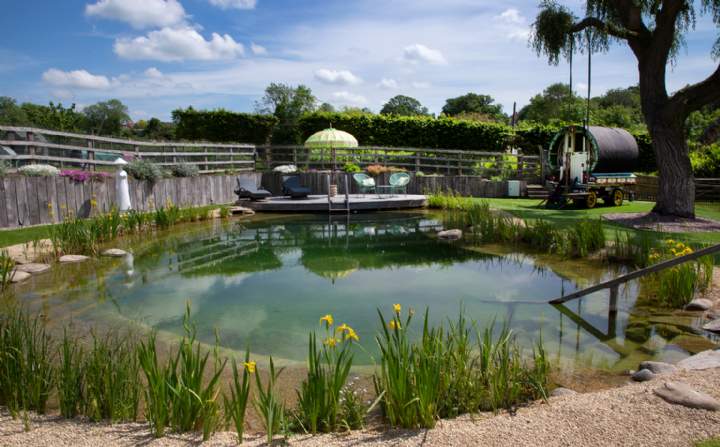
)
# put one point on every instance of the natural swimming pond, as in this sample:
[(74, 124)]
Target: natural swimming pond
[(266, 281)]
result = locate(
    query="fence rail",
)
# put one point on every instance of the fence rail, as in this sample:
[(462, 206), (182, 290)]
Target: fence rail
[(30, 145), (706, 189), (430, 161)]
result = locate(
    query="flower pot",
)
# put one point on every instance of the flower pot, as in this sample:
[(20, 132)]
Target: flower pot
[(333, 191)]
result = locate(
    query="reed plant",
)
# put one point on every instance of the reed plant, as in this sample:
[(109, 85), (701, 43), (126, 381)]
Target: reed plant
[(7, 265), (268, 405), (633, 247), (157, 392), (676, 286), (236, 404), (70, 376), (319, 396), (112, 379)]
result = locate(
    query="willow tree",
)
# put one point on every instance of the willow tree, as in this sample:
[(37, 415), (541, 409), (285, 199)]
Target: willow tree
[(654, 30)]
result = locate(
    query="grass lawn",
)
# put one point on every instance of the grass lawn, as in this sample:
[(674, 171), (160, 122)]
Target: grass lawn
[(19, 236), (713, 442), (528, 209)]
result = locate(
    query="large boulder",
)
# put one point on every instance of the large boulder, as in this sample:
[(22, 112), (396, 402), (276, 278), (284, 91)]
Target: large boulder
[(712, 326), (703, 360), (69, 259), (658, 367), (560, 391), (699, 304), (33, 267), (114, 252), (18, 276), (679, 393), (643, 375)]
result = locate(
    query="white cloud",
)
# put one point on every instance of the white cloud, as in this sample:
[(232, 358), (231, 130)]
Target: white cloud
[(75, 79), (349, 98), (511, 15), (139, 13), (341, 77), (418, 84), (234, 4), (388, 83), (153, 72), (513, 24), (420, 53), (179, 44), (258, 50)]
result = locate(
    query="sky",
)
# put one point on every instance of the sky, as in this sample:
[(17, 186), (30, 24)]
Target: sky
[(159, 55)]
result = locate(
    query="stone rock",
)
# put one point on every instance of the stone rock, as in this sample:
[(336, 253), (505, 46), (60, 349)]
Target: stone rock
[(638, 332), (712, 315), (33, 267), (679, 393), (451, 235), (643, 375), (703, 360), (114, 252), (66, 259), (562, 392), (699, 304), (712, 326), (17, 276), (658, 367)]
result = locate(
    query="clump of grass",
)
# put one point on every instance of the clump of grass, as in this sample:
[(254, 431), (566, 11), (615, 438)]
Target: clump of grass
[(70, 378), (447, 373), (157, 392), (112, 381), (633, 247), (328, 368), (26, 362), (268, 405), (236, 404), (7, 265)]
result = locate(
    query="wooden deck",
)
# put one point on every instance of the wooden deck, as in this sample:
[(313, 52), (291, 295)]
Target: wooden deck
[(319, 203)]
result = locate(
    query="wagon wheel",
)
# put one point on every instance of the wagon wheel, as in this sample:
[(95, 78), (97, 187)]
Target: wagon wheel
[(617, 197), (591, 200)]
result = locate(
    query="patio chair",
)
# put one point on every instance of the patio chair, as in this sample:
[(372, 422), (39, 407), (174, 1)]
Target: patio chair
[(247, 189), (399, 181), (291, 187), (364, 182)]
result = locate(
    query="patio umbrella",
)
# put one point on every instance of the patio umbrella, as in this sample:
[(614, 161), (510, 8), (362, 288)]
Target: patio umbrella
[(330, 139)]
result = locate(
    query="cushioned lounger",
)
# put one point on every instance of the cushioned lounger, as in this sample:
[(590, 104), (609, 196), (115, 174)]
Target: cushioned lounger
[(292, 187), (247, 189)]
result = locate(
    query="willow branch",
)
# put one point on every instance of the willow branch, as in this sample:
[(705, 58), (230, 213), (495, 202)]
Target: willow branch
[(696, 96), (594, 22)]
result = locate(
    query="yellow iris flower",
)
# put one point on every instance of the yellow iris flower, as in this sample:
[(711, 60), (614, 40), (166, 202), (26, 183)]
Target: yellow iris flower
[(397, 308), (394, 325), (328, 319), (250, 367), (331, 341)]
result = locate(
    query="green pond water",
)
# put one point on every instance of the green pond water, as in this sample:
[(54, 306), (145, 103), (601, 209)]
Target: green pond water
[(266, 281)]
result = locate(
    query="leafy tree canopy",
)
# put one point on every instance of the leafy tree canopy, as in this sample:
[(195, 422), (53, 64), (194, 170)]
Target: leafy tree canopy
[(472, 103), (402, 105), (106, 117), (555, 103), (287, 104)]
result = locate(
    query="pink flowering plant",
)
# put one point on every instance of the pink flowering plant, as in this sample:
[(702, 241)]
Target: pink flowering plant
[(83, 176)]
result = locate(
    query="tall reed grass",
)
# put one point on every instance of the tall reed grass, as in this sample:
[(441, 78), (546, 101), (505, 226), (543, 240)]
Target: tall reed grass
[(7, 265), (676, 286), (235, 405), (268, 404), (70, 376)]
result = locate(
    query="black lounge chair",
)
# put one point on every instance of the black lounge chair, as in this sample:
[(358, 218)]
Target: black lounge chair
[(292, 187), (247, 189)]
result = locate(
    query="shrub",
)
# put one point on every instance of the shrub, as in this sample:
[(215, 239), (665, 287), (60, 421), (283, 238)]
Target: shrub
[(351, 168), (83, 176), (39, 170), (144, 170), (184, 170), (706, 161), (4, 168), (223, 126)]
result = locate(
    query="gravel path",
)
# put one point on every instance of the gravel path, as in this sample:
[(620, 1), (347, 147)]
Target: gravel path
[(628, 415)]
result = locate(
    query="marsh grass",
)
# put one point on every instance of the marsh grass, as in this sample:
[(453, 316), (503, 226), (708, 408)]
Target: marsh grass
[(70, 376), (635, 247), (449, 372), (7, 265), (26, 362), (157, 390), (235, 405), (112, 379), (268, 405)]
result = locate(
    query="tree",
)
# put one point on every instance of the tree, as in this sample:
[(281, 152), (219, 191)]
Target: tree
[(11, 114), (53, 116), (287, 104), (555, 103), (619, 107), (472, 104), (402, 105), (654, 30), (326, 107), (107, 117)]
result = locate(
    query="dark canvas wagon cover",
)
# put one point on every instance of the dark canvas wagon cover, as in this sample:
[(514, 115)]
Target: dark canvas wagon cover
[(611, 149)]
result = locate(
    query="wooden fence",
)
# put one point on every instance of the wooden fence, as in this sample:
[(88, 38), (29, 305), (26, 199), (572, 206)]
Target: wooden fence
[(428, 161), (31, 145), (42, 200), (706, 189)]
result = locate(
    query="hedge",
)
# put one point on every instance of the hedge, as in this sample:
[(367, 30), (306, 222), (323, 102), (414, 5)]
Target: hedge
[(223, 126)]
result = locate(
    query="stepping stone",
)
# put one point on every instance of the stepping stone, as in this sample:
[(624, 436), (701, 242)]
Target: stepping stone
[(450, 235), (699, 304), (562, 392), (658, 367), (679, 393), (713, 326), (115, 252), (241, 210), (704, 360), (17, 276), (643, 375), (67, 259), (33, 267)]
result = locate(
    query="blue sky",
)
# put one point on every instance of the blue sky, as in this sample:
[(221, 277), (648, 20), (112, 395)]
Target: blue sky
[(157, 55)]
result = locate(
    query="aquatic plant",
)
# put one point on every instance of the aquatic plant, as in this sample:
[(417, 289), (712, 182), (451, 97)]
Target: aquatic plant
[(633, 247), (157, 392), (676, 286), (70, 377), (268, 405), (328, 369), (7, 265), (236, 404)]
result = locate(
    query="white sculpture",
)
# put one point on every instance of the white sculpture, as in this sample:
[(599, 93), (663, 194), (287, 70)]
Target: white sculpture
[(122, 188)]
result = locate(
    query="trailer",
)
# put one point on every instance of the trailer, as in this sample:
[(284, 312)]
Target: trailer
[(586, 164)]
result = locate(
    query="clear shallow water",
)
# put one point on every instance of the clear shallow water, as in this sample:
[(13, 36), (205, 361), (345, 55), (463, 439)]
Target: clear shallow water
[(265, 282)]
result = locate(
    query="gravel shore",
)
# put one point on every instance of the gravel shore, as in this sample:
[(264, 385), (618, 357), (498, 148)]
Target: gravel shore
[(630, 415)]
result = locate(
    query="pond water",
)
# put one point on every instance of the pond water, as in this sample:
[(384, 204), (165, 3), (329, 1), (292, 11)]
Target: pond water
[(266, 281)]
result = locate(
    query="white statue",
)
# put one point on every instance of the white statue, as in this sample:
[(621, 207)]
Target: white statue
[(122, 188)]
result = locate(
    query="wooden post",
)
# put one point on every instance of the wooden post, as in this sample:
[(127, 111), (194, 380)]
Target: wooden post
[(232, 157), (542, 166), (206, 159), (520, 166), (174, 151), (91, 154), (613, 310), (460, 167), (31, 149), (295, 155), (417, 161)]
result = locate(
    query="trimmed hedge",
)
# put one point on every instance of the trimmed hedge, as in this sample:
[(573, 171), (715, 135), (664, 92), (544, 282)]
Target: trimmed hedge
[(407, 131), (223, 126)]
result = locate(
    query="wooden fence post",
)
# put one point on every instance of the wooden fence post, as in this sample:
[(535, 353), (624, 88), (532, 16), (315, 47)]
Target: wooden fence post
[(460, 166), (31, 149), (91, 154), (206, 159), (417, 161)]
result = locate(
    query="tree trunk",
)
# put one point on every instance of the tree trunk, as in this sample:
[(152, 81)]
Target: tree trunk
[(676, 185)]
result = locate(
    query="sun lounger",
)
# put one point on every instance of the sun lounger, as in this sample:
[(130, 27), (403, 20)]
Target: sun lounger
[(292, 187), (247, 189)]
